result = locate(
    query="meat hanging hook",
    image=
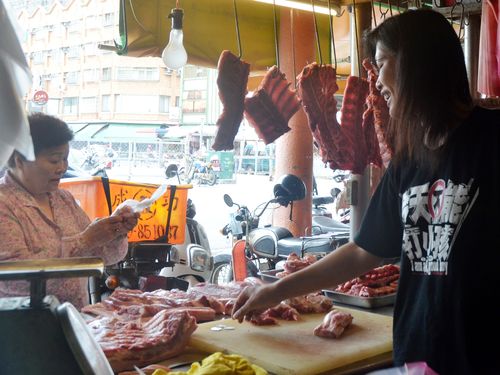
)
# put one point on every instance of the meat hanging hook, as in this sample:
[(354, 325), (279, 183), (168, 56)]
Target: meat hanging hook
[(318, 43), (276, 41), (292, 38), (358, 57), (373, 13), (240, 52), (461, 29), (332, 42), (382, 13)]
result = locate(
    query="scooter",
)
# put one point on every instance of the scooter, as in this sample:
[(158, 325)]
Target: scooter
[(192, 261), (256, 249), (199, 171), (156, 264)]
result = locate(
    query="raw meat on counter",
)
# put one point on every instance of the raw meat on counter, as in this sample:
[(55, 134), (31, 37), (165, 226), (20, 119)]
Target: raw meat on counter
[(134, 343), (377, 282), (311, 303), (333, 325), (129, 304), (295, 263)]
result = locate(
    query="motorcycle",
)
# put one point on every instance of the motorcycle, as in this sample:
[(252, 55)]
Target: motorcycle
[(199, 171), (256, 249), (157, 264), (338, 193), (193, 261)]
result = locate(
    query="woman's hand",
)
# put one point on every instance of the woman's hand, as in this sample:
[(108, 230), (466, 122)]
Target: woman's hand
[(253, 300), (104, 230), (129, 219)]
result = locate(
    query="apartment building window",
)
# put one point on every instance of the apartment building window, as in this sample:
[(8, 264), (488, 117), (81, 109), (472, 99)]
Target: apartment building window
[(70, 106), (138, 74), (164, 104), (39, 33), (136, 104), (72, 78), (106, 103), (194, 94), (57, 56), (107, 19), (92, 22), (90, 49), (191, 71), (74, 52), (177, 101), (106, 74), (38, 57), (88, 104), (90, 75), (74, 26)]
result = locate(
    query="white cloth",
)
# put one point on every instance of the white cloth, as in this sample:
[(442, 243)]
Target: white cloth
[(15, 81)]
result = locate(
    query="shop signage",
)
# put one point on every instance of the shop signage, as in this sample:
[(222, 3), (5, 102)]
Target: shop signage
[(40, 97)]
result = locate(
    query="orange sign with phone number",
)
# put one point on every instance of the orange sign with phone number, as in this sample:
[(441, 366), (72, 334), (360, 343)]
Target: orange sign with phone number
[(90, 194)]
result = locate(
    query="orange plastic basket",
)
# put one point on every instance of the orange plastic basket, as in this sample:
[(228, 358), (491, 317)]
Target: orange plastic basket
[(90, 193)]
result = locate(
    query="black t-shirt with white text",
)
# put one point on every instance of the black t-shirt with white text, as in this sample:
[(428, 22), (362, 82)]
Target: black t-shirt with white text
[(445, 226)]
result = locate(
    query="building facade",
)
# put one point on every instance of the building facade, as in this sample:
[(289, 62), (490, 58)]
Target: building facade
[(85, 83)]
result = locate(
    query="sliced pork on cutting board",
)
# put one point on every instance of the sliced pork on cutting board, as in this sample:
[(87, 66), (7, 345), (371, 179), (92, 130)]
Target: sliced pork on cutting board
[(291, 346)]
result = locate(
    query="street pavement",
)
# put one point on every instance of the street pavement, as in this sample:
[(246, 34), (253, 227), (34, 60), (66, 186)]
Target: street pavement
[(211, 211)]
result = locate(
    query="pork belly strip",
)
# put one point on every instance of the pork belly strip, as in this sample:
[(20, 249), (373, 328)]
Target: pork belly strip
[(333, 325), (123, 302), (232, 83), (126, 344)]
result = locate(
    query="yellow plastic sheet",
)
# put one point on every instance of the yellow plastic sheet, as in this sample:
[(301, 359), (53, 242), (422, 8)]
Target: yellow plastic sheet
[(220, 364)]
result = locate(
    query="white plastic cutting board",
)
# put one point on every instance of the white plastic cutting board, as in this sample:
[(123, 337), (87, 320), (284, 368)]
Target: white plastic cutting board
[(291, 347)]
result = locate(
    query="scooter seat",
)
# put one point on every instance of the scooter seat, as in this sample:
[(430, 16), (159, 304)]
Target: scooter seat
[(302, 245), (323, 224)]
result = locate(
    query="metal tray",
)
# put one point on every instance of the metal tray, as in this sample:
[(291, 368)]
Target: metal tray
[(366, 302), (269, 275)]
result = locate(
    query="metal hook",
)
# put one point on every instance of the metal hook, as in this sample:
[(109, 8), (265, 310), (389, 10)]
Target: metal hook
[(318, 44), (467, 19), (373, 13), (332, 44), (398, 5), (461, 29), (276, 41), (292, 38), (356, 34), (382, 14), (240, 52)]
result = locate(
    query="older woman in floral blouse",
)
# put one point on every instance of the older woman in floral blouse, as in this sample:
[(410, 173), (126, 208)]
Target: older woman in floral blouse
[(39, 220)]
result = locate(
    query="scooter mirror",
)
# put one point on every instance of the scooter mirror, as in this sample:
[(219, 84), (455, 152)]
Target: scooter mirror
[(171, 171), (335, 192), (228, 200)]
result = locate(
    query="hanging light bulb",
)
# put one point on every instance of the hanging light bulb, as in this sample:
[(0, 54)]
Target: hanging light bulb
[(174, 55)]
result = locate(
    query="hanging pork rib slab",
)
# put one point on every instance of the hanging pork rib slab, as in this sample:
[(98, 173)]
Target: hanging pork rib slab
[(270, 107), (377, 113), (316, 87), (232, 83)]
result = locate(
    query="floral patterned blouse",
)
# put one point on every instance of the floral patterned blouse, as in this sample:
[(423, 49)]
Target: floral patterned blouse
[(27, 233)]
